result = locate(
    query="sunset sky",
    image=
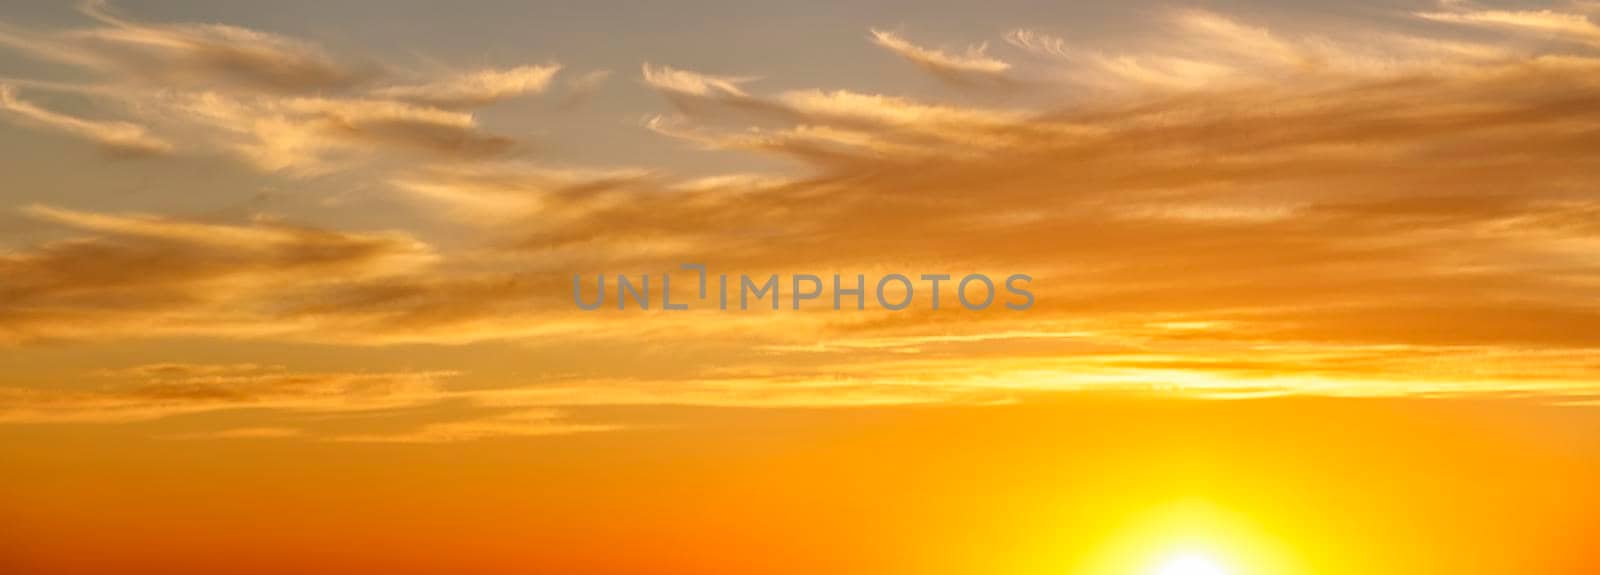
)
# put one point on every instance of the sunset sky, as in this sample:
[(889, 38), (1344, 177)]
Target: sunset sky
[(287, 287)]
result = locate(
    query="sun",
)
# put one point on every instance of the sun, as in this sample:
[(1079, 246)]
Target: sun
[(1191, 536), (1191, 564)]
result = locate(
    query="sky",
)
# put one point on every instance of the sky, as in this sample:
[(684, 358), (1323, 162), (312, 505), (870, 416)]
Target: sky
[(292, 283)]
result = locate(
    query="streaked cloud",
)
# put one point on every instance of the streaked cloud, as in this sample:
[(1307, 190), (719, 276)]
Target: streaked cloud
[(119, 137)]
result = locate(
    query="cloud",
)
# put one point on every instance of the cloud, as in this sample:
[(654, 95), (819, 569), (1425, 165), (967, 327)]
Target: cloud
[(131, 274), (1239, 211), (120, 137), (1332, 213), (973, 65), (123, 276), (669, 79), (699, 93), (1571, 27), (244, 433), (755, 390), (313, 135), (140, 394), (1039, 43), (1201, 50), (823, 127), (524, 423), (158, 391), (478, 88), (589, 81), (195, 55), (281, 104), (510, 193), (583, 87)]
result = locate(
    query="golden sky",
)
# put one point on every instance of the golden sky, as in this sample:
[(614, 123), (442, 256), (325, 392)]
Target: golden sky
[(288, 288)]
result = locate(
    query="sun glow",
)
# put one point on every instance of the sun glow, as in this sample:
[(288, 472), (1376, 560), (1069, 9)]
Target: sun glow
[(1195, 536), (1191, 564)]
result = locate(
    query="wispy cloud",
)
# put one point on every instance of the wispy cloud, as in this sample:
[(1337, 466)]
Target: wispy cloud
[(823, 127), (121, 137), (281, 104), (975, 64), (669, 79), (244, 433), (139, 395), (584, 86), (1201, 50), (140, 273), (314, 135), (479, 87), (523, 423), (1561, 25), (1240, 210), (143, 393), (195, 55)]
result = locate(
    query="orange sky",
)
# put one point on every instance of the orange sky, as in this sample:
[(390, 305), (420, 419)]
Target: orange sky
[(1062, 484), (290, 289)]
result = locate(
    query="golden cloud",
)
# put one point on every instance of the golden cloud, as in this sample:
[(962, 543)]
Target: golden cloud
[(480, 87), (145, 393), (1411, 214), (141, 273), (206, 56), (282, 104), (119, 137), (974, 64)]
